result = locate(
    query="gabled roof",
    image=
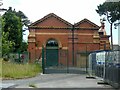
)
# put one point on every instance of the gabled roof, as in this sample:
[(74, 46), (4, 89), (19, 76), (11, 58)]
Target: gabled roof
[(88, 21), (51, 15)]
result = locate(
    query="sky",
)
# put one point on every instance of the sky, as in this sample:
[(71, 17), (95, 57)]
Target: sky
[(72, 11)]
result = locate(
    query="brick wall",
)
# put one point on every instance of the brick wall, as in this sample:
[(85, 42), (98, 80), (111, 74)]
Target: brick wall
[(53, 27)]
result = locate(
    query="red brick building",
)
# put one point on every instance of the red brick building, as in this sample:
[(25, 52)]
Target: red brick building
[(53, 29)]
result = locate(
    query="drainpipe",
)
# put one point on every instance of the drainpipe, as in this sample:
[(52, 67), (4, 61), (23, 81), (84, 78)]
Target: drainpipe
[(73, 27)]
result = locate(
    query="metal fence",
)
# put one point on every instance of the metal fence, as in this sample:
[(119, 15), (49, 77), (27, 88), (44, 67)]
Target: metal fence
[(60, 61), (19, 57), (106, 64)]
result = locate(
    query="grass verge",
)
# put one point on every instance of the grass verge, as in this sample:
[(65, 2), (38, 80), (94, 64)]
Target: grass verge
[(18, 71)]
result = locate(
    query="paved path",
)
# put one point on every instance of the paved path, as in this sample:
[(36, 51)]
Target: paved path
[(57, 81)]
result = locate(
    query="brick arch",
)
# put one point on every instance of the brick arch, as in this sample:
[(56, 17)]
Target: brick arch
[(59, 43)]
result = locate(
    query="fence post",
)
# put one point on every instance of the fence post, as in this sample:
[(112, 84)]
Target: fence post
[(86, 60), (67, 62), (43, 65), (19, 60)]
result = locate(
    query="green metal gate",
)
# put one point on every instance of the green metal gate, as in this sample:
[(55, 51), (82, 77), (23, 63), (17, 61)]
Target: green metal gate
[(51, 56), (57, 60), (54, 60)]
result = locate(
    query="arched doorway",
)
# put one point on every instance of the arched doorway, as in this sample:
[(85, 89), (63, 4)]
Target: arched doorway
[(51, 53)]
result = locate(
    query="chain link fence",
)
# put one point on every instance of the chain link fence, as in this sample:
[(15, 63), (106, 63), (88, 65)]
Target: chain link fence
[(106, 65)]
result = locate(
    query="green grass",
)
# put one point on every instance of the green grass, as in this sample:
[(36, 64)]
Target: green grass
[(0, 68), (18, 71)]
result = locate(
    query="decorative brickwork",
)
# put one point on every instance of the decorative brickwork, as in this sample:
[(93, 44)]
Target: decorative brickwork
[(86, 36)]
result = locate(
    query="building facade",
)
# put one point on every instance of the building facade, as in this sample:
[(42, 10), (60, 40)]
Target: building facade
[(54, 33)]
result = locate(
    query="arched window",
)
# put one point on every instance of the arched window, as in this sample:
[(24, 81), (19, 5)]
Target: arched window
[(52, 43)]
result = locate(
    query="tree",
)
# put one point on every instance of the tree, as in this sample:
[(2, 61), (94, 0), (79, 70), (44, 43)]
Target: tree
[(24, 46), (23, 17), (0, 37), (7, 46), (12, 26), (112, 11)]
